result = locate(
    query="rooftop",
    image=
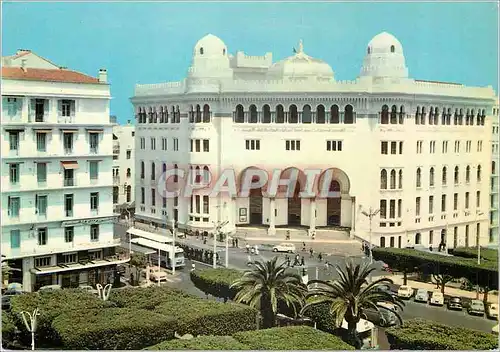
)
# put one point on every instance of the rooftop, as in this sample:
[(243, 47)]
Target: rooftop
[(48, 75)]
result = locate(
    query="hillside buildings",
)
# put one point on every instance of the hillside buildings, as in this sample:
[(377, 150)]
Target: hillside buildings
[(57, 157), (417, 151)]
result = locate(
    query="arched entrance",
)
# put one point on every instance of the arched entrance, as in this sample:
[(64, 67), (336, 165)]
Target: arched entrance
[(333, 206), (255, 200), (295, 207)]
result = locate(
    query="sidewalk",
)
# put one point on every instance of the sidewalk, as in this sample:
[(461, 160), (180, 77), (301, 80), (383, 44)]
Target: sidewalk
[(295, 239), (449, 291)]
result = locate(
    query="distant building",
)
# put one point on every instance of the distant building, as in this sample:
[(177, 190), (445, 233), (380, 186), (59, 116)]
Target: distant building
[(494, 177), (123, 168), (56, 200), (418, 151)]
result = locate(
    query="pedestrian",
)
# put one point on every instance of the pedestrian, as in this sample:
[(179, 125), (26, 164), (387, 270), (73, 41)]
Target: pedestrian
[(256, 250), (193, 267), (287, 237), (311, 252), (204, 240), (249, 260), (320, 256), (303, 246), (303, 261), (236, 242), (296, 260), (247, 246), (313, 235), (287, 260), (327, 265), (233, 242)]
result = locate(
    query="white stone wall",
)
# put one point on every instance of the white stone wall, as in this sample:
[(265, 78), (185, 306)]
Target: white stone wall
[(125, 142)]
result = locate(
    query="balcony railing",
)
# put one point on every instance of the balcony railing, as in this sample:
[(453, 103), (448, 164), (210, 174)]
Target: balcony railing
[(68, 151), (94, 150), (116, 179), (69, 213), (69, 182), (116, 150)]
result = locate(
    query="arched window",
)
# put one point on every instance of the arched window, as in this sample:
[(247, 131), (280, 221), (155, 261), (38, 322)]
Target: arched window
[(266, 112), (176, 115), (334, 114), (349, 114), (206, 113), (254, 116), (467, 117), (368, 50), (206, 174), (436, 115), (455, 176), (164, 168), (142, 169), (455, 117), (483, 115), (191, 114), (431, 177), (201, 51), (197, 177), (417, 116), (239, 114), (383, 179), (394, 113), (382, 241), (467, 174), (165, 118), (479, 173), (306, 114), (153, 171), (280, 114), (419, 178), (444, 176), (460, 117), (320, 114), (129, 172), (443, 117), (478, 118), (472, 117), (493, 167), (400, 182), (431, 116), (418, 238), (401, 114), (224, 51), (392, 48), (198, 113), (176, 176), (162, 115), (384, 115), (393, 179), (422, 117), (293, 115)]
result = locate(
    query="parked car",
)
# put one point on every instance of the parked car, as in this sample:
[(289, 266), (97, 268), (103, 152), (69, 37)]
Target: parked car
[(385, 288), (49, 288), (494, 330), (492, 311), (383, 317), (89, 289), (284, 247), (6, 296), (455, 303), (476, 307), (405, 291), (437, 298), (422, 295)]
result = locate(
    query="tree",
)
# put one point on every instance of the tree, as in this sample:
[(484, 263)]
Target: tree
[(138, 261), (350, 295), (442, 280), (267, 284), (402, 263), (7, 271)]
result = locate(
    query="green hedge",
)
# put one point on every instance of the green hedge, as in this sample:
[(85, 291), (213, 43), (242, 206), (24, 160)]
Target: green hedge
[(112, 328), (203, 317), (216, 282), (8, 330), (201, 343), (50, 305), (418, 334), (490, 254), (291, 338), (320, 314), (144, 298)]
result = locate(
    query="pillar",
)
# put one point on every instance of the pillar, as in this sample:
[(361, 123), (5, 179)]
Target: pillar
[(353, 217), (272, 217), (312, 216), (28, 277)]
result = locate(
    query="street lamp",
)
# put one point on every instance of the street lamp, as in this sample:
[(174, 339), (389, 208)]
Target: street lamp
[(217, 230), (31, 326), (172, 254), (370, 216), (478, 242)]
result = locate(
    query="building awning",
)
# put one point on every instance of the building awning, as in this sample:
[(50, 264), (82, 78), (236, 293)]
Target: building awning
[(65, 130), (69, 165), (95, 130), (150, 236), (140, 249), (77, 266), (42, 130), (14, 162), (14, 129)]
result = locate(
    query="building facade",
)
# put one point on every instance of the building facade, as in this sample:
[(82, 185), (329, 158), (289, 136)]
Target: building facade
[(494, 178), (415, 150), (123, 167), (57, 210)]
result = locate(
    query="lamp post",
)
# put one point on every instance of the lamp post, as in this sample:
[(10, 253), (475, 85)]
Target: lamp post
[(478, 254), (370, 216), (217, 230), (173, 246), (31, 326)]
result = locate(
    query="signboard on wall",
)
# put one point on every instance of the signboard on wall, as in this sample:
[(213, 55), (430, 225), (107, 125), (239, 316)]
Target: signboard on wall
[(88, 221), (243, 214)]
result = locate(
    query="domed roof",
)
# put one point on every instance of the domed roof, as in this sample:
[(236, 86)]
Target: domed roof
[(210, 45), (385, 43), (301, 65)]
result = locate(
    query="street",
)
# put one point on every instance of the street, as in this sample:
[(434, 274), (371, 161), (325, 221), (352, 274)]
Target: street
[(238, 259)]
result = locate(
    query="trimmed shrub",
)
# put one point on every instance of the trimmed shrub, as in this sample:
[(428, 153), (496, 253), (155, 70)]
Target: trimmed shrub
[(419, 334), (144, 298), (113, 328), (216, 282), (8, 330), (201, 343), (490, 254), (320, 314), (51, 304), (202, 317), (291, 338)]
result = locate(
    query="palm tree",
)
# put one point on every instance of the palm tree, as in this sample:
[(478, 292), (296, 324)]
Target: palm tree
[(266, 285), (350, 295)]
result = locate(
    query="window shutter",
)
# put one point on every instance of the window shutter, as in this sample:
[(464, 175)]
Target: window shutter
[(46, 106), (59, 108), (5, 107), (31, 108), (73, 108)]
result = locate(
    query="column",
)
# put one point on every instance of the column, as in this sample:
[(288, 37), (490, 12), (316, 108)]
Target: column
[(312, 216), (353, 217), (272, 217)]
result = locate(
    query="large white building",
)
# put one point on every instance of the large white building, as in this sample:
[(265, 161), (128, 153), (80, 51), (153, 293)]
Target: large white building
[(494, 177), (123, 167), (57, 157), (417, 150)]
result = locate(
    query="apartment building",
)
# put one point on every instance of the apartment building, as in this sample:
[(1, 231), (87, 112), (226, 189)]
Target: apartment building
[(123, 168)]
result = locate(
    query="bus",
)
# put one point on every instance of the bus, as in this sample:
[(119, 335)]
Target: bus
[(157, 248)]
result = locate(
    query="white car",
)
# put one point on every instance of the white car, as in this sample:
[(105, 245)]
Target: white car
[(422, 295), (492, 311), (284, 247), (437, 298), (405, 291)]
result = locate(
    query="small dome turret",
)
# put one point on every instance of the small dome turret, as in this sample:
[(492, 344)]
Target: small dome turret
[(210, 59), (384, 58)]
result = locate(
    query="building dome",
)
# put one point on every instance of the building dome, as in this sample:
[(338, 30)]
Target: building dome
[(300, 66), (384, 58), (210, 59)]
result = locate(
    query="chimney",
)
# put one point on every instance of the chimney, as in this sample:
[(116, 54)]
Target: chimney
[(23, 65), (103, 75), (128, 122)]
